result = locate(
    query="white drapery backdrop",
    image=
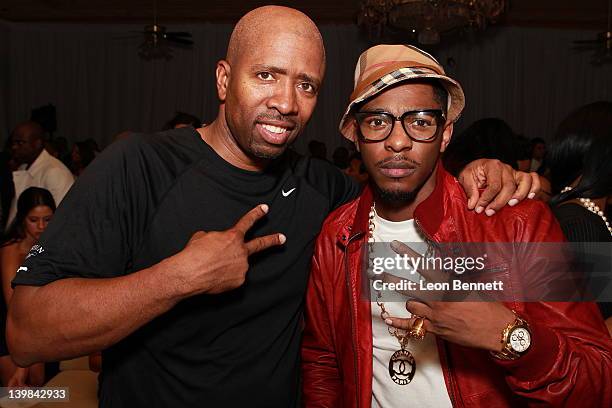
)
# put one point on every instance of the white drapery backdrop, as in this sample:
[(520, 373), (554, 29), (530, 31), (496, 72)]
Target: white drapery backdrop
[(529, 77)]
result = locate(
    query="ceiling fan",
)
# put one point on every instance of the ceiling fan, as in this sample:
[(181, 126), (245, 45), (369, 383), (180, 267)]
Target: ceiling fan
[(602, 46), (158, 42)]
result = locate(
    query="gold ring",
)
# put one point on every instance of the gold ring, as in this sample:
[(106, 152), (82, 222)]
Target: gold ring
[(418, 331)]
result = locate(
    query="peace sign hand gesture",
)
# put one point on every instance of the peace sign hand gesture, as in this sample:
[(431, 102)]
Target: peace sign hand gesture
[(217, 261)]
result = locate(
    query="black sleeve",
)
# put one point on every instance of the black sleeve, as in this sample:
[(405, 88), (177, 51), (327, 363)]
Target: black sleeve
[(346, 189), (339, 187), (94, 230)]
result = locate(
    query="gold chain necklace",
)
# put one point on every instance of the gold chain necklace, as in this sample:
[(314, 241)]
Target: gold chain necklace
[(402, 365)]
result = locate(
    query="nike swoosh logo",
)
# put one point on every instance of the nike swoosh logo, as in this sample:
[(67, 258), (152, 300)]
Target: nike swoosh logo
[(22, 268), (287, 193)]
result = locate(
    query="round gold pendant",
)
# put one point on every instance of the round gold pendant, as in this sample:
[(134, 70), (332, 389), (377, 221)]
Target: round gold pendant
[(402, 367)]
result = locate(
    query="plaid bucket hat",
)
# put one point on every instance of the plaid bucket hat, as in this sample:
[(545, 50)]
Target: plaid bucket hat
[(385, 65)]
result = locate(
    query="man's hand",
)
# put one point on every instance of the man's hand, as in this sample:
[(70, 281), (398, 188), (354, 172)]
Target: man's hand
[(471, 324), (503, 185), (215, 262)]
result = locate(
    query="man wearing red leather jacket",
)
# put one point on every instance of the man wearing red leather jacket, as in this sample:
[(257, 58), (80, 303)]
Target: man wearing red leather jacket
[(360, 351)]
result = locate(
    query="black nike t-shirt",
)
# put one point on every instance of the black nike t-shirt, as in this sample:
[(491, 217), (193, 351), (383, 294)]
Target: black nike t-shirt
[(140, 202)]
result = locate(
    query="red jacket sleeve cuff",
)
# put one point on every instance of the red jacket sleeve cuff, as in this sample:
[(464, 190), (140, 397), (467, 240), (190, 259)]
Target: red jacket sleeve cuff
[(539, 359)]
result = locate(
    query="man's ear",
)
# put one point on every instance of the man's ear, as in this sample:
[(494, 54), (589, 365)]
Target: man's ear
[(446, 137), (223, 73), (353, 131)]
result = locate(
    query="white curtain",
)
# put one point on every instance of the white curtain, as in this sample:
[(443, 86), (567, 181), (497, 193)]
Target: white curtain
[(100, 87)]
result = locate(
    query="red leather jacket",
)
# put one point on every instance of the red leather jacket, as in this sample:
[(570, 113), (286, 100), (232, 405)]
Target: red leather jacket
[(570, 359)]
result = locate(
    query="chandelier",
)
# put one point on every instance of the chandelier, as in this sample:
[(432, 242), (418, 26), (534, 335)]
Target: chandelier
[(427, 19)]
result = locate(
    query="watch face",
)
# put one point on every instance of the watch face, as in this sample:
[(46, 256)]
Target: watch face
[(520, 339)]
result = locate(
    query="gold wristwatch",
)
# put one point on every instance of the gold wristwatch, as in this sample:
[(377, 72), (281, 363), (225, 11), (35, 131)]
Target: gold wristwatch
[(515, 339)]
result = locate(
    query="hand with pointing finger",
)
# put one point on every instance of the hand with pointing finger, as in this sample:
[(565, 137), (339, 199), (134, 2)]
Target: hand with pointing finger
[(217, 261)]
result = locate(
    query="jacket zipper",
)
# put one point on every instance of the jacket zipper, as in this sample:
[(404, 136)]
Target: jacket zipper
[(350, 293), (451, 382)]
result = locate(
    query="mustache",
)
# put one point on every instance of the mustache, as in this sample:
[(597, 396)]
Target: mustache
[(277, 118), (398, 161)]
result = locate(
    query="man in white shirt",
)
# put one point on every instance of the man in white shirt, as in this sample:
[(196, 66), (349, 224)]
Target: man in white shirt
[(37, 168)]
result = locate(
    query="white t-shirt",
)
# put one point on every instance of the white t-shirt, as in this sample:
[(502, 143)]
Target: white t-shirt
[(427, 388)]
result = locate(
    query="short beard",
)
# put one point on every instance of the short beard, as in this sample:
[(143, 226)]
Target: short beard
[(265, 155), (395, 198), (261, 152)]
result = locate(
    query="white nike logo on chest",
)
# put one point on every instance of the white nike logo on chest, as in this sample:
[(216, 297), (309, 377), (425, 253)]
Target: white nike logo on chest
[(287, 193)]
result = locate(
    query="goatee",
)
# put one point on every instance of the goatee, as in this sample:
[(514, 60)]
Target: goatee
[(266, 155), (395, 197)]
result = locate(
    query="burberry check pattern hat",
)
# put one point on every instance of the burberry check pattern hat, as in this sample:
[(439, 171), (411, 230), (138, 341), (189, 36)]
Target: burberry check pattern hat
[(381, 66)]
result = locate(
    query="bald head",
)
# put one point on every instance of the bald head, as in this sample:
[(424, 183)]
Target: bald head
[(273, 20), (27, 141), (30, 128), (267, 85)]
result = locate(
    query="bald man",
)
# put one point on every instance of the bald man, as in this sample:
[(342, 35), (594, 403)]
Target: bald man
[(185, 255), (37, 168)]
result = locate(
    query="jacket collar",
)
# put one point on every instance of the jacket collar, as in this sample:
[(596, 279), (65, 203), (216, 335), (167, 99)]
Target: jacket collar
[(358, 225), (429, 214)]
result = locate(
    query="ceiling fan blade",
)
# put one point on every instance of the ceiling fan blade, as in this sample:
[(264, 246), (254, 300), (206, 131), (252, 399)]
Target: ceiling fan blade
[(179, 41), (178, 34)]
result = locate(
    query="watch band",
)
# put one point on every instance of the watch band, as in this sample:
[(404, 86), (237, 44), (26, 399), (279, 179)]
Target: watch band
[(507, 352)]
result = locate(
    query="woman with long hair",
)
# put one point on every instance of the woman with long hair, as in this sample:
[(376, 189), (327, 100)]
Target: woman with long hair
[(581, 204), (35, 207), (572, 141), (581, 175)]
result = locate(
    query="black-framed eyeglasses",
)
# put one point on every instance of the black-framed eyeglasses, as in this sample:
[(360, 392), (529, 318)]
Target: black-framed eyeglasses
[(420, 125)]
